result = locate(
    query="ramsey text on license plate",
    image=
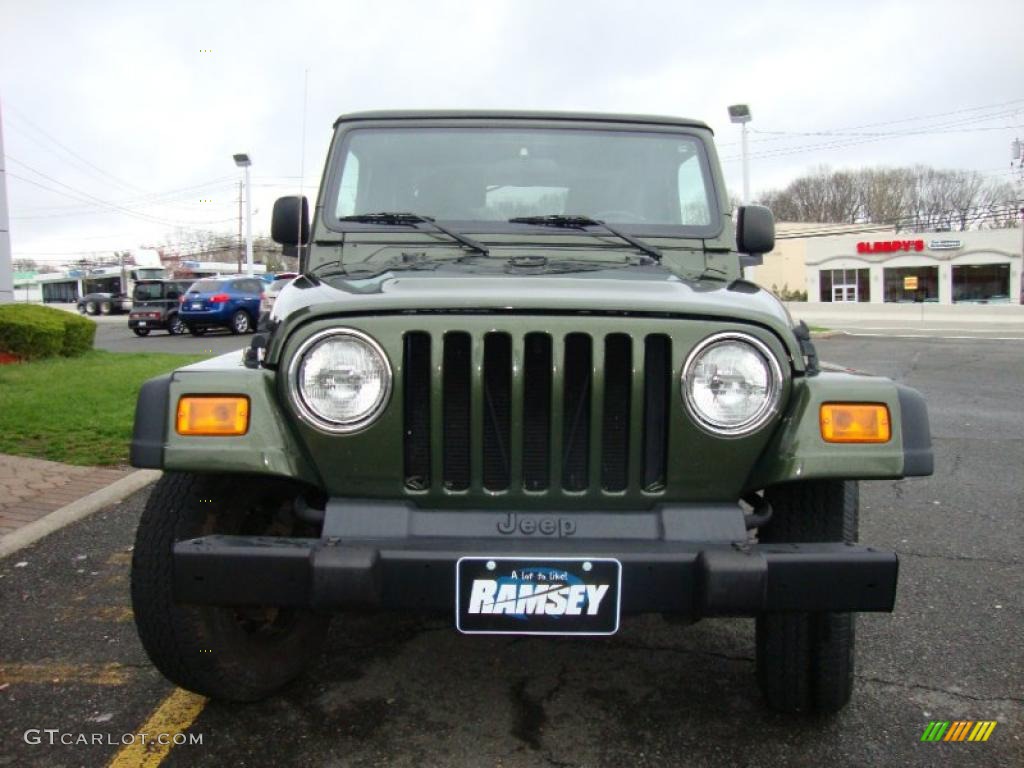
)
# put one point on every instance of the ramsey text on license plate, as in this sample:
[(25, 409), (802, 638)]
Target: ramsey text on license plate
[(537, 596)]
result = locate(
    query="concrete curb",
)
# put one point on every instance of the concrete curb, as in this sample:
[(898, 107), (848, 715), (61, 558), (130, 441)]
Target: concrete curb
[(76, 510)]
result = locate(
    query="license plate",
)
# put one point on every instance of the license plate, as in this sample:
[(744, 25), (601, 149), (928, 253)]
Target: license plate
[(537, 596), (142, 323), (197, 305)]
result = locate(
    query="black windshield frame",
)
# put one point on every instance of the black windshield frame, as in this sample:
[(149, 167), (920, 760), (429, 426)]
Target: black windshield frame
[(330, 187)]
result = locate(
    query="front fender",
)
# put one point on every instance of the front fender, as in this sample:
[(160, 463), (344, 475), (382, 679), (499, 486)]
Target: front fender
[(268, 448), (798, 451)]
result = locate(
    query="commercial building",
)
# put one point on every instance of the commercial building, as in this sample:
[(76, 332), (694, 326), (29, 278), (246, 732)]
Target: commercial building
[(981, 266)]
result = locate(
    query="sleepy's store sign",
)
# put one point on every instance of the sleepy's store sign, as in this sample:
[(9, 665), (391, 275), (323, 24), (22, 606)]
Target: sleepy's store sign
[(890, 246)]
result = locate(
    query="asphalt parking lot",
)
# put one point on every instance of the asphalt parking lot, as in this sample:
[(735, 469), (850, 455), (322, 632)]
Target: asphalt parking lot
[(113, 335), (401, 690)]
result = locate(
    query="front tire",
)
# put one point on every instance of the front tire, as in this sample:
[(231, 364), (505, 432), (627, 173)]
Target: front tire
[(234, 654), (105, 307), (805, 660)]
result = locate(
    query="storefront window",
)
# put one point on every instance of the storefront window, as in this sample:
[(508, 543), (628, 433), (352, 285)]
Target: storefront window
[(911, 284), (981, 282)]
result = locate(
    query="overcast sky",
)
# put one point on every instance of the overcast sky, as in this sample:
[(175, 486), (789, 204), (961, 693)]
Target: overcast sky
[(140, 105)]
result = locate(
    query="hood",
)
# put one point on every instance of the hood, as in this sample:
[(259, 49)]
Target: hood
[(628, 290)]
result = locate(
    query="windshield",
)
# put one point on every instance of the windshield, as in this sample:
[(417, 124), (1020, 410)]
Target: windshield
[(648, 182)]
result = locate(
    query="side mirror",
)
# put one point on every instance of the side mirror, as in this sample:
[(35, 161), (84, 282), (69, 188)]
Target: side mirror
[(755, 234), (290, 222)]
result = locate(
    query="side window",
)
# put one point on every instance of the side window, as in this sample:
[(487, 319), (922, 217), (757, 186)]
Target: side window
[(693, 201), (349, 186)]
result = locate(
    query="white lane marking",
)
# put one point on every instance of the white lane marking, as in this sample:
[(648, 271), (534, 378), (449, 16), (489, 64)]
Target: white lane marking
[(930, 336)]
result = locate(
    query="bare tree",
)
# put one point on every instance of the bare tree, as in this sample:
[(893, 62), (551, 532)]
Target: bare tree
[(915, 198)]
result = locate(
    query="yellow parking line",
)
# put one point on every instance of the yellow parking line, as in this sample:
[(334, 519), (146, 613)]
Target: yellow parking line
[(93, 674), (174, 716)]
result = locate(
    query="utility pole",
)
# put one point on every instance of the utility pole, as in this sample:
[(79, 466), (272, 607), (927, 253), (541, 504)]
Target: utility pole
[(6, 271), (241, 243)]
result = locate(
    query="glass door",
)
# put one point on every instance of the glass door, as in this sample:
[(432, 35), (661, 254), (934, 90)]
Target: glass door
[(844, 285)]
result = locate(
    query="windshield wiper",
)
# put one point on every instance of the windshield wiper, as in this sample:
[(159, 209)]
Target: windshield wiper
[(582, 222), (413, 220)]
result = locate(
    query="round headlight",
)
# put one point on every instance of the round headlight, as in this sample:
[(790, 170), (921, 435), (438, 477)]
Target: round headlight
[(731, 384), (340, 380)]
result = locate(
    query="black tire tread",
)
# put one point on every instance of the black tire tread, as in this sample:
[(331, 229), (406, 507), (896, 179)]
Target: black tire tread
[(186, 642), (804, 660)]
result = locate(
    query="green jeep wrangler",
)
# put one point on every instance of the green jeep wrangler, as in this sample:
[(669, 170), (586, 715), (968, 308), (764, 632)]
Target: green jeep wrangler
[(522, 380)]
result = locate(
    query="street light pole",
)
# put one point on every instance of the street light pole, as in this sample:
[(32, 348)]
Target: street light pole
[(746, 164), (6, 269), (248, 223), (740, 113), (242, 161)]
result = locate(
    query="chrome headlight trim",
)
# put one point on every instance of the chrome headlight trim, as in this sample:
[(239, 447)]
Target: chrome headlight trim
[(763, 414), (295, 391)]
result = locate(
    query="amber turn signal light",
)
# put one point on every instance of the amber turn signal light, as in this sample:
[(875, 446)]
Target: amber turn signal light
[(213, 415), (855, 423)]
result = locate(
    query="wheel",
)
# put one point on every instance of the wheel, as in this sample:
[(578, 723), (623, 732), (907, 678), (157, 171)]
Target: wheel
[(81, 309), (175, 326), (241, 322), (140, 331), (196, 330), (105, 307), (805, 660), (90, 308), (229, 653)]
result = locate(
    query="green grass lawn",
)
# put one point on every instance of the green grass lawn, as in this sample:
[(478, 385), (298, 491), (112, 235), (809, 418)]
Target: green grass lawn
[(77, 410)]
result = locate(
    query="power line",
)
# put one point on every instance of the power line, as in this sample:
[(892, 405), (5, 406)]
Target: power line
[(1004, 211), (152, 199), (20, 116), (911, 119), (111, 206), (842, 141)]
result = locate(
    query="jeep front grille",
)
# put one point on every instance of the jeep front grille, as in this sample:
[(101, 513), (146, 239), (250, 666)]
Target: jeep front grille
[(569, 413)]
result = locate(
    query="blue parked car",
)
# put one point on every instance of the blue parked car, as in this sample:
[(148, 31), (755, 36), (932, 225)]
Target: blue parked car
[(223, 302)]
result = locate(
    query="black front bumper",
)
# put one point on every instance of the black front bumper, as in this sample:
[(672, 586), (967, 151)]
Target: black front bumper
[(679, 559)]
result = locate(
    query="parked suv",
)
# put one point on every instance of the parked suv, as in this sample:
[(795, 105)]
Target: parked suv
[(271, 293), (520, 381), (228, 302), (155, 305)]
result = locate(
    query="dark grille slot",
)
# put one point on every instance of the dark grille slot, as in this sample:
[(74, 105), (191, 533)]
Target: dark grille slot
[(457, 358), (416, 402), (537, 412), (576, 412), (657, 376), (497, 410), (618, 375)]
